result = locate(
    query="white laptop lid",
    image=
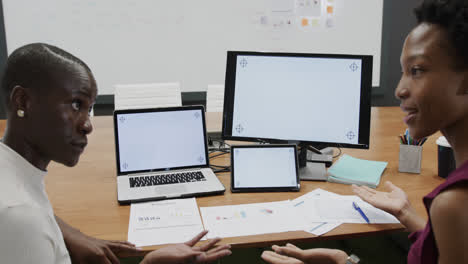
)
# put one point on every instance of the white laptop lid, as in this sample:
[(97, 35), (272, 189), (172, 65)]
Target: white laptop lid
[(160, 139)]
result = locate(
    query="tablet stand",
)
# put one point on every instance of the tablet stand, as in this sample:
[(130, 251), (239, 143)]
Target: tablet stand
[(310, 171)]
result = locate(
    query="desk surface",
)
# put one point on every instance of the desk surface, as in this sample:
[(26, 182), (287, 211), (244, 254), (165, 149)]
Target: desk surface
[(86, 196)]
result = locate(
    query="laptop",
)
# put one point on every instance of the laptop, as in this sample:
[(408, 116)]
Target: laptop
[(162, 153)]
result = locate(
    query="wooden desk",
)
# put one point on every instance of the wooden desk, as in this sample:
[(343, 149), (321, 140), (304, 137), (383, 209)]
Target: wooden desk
[(86, 196)]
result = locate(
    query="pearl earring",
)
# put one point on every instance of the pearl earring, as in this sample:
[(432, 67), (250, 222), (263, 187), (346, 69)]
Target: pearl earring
[(20, 113)]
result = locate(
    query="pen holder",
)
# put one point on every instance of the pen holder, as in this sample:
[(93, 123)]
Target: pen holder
[(410, 158)]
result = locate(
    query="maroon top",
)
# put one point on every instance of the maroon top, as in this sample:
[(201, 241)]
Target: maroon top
[(424, 249)]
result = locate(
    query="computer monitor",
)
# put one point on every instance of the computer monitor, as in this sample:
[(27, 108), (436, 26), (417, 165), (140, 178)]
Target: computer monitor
[(312, 99)]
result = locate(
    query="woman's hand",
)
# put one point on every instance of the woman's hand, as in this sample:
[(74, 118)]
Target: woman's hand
[(394, 202), (291, 254), (188, 253)]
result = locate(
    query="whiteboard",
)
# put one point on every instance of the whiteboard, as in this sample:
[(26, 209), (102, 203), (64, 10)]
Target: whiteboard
[(147, 41)]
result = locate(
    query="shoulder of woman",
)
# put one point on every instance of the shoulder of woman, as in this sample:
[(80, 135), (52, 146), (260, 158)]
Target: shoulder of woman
[(449, 216), (451, 202)]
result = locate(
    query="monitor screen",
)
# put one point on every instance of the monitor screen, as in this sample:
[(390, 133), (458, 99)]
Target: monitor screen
[(306, 98), (152, 139)]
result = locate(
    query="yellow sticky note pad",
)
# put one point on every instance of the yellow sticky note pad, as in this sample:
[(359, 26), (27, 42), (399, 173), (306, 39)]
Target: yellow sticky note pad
[(315, 22)]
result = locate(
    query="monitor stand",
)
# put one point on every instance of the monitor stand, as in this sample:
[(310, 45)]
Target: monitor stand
[(310, 171)]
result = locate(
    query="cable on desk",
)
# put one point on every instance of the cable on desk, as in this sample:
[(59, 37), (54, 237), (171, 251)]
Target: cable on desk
[(210, 151), (219, 154), (338, 153), (220, 166), (262, 142), (219, 169)]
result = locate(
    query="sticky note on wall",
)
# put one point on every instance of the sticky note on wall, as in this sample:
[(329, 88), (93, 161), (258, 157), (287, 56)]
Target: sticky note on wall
[(330, 9)]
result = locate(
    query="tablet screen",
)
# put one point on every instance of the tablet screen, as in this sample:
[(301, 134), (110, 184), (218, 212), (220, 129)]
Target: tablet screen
[(264, 167)]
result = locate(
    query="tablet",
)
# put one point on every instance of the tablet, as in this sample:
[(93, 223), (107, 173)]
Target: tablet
[(264, 168)]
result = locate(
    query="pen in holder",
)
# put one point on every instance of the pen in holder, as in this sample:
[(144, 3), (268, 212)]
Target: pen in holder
[(410, 154)]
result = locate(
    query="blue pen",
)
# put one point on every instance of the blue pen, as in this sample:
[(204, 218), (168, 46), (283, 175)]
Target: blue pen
[(361, 212), (407, 136)]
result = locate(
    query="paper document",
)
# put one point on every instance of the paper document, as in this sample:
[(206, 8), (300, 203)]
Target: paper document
[(301, 205), (340, 210), (249, 219), (316, 193), (319, 229), (164, 222)]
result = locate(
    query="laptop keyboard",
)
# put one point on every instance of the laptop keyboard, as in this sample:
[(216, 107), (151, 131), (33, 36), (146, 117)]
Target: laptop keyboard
[(182, 177)]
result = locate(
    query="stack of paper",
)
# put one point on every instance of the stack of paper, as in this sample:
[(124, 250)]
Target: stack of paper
[(349, 170), (317, 212)]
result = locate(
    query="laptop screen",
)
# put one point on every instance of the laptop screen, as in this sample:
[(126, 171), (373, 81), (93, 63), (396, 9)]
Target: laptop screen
[(160, 139)]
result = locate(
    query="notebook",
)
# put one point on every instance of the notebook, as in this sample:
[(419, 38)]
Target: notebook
[(349, 170), (162, 153)]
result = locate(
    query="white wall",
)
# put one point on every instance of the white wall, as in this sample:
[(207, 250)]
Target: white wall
[(126, 41)]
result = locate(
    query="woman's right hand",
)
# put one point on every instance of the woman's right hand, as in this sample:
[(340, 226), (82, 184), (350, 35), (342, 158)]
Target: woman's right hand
[(394, 202)]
